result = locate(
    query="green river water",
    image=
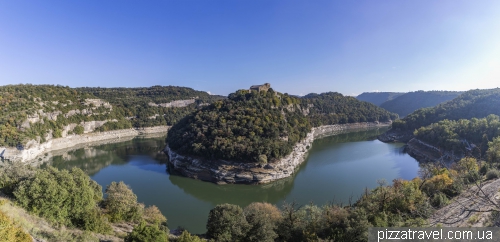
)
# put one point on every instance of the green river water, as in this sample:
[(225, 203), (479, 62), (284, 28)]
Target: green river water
[(337, 168)]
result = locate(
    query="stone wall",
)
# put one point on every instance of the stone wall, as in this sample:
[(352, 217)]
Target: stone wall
[(223, 172)]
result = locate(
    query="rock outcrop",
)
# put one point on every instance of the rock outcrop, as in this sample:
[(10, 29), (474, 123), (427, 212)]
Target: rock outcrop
[(176, 103), (223, 172), (34, 149)]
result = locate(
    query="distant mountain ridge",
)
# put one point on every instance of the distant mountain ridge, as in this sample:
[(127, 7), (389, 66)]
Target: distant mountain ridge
[(471, 104), (406, 103), (409, 102), (378, 98)]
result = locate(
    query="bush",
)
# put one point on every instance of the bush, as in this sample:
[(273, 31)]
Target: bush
[(439, 200), (13, 173), (78, 129), (226, 222), (146, 233), (9, 231), (121, 203), (63, 197), (153, 215), (262, 219), (492, 174), (187, 237)]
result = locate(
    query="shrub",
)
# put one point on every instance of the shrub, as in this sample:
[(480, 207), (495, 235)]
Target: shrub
[(439, 200), (153, 215), (63, 197), (492, 174), (78, 129), (13, 173), (146, 233), (9, 231), (226, 222), (187, 237), (262, 219), (121, 203)]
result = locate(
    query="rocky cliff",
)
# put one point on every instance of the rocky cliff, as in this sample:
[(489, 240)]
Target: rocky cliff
[(223, 172), (35, 150)]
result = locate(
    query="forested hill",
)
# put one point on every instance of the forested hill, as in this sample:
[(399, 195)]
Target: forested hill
[(378, 98), (409, 102), (334, 108), (471, 104), (45, 111), (264, 126)]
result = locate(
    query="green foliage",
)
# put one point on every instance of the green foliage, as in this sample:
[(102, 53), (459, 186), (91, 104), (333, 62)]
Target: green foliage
[(240, 128), (492, 174), (262, 219), (12, 173), (334, 108), (471, 104), (493, 152), (64, 197), (187, 237), (464, 137), (121, 203), (255, 127), (57, 106), (146, 233), (153, 215), (78, 129), (439, 200), (226, 222), (411, 101), (10, 231)]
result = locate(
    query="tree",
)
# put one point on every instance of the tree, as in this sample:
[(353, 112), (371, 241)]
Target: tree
[(153, 215), (226, 222), (63, 197), (121, 203), (262, 219)]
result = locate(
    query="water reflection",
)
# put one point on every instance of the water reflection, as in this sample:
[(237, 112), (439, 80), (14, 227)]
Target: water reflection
[(235, 193), (337, 168)]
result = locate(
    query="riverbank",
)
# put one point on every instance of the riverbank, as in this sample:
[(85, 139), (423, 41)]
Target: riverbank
[(420, 150), (224, 172), (35, 150)]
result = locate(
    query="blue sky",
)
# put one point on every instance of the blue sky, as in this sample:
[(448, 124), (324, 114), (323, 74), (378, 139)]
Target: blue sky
[(224, 45)]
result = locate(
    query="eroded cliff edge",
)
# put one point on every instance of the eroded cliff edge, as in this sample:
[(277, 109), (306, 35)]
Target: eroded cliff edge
[(223, 172), (34, 149)]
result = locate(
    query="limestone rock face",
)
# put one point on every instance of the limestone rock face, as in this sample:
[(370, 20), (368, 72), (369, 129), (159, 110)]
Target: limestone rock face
[(176, 103), (223, 172), (34, 150)]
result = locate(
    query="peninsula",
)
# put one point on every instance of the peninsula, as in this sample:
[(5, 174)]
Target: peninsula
[(260, 135)]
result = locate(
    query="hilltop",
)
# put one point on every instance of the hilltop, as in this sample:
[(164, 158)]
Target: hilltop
[(253, 126), (378, 98)]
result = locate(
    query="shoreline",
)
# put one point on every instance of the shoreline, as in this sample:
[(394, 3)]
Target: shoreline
[(35, 149), (227, 172)]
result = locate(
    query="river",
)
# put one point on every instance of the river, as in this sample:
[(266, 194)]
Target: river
[(338, 169)]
